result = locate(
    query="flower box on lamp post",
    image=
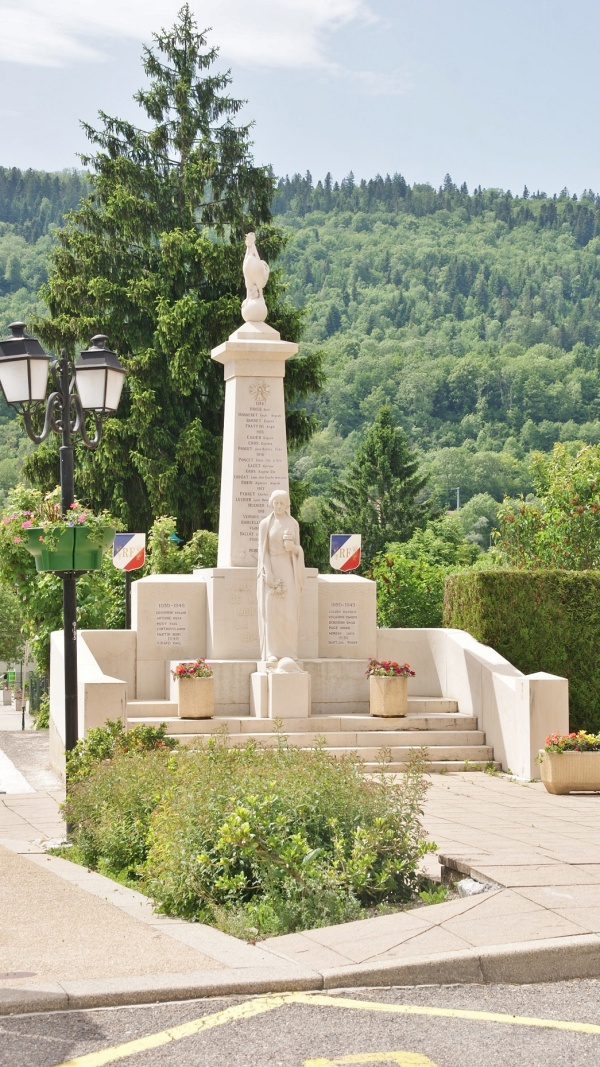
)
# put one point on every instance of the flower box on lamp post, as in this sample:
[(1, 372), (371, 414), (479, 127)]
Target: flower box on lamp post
[(91, 387)]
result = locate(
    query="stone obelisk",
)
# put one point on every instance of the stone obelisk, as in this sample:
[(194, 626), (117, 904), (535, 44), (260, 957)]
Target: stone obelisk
[(254, 439)]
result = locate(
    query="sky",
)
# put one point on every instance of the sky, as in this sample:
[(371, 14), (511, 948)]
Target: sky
[(499, 94)]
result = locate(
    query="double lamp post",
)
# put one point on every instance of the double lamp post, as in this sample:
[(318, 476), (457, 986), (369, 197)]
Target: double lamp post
[(90, 387)]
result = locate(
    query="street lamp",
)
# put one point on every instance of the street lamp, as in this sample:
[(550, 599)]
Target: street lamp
[(91, 386)]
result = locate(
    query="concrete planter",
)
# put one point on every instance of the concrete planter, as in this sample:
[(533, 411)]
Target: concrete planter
[(5, 697), (570, 772), (388, 696), (196, 698)]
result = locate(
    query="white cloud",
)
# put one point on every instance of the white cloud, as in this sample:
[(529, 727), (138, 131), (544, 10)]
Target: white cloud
[(262, 33)]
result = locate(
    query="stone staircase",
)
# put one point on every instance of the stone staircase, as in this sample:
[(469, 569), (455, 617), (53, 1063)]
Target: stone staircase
[(451, 738)]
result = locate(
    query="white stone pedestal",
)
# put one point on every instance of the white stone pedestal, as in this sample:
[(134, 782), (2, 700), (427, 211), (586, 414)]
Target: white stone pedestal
[(279, 695)]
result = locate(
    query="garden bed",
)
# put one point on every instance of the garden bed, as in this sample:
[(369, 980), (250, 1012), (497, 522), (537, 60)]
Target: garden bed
[(258, 842)]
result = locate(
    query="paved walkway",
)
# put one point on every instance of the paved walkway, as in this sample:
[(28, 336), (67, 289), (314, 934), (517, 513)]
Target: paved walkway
[(71, 938)]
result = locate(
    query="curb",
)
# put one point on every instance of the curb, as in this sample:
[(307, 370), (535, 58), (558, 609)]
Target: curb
[(553, 960)]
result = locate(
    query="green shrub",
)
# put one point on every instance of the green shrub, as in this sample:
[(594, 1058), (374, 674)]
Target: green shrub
[(539, 621), (110, 806), (257, 841), (103, 742), (410, 592), (42, 716), (283, 839), (410, 575)]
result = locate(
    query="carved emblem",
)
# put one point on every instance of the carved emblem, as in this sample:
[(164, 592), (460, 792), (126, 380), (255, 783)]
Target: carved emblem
[(260, 392)]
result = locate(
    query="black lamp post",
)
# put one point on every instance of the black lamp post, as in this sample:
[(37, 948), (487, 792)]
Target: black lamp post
[(91, 386)]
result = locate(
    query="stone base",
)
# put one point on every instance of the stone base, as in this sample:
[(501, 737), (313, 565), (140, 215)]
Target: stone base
[(277, 695)]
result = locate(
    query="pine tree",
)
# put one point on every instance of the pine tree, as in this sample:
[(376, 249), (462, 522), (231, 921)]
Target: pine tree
[(153, 258), (381, 494)]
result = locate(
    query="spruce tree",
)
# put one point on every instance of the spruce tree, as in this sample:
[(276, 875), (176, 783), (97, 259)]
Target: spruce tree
[(381, 493), (153, 258)]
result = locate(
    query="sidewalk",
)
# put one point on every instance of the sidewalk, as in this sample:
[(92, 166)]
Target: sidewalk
[(72, 938)]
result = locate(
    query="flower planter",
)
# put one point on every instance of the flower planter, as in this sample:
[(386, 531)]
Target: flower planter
[(71, 551), (58, 558), (195, 698), (88, 553), (5, 697), (570, 772), (388, 696)]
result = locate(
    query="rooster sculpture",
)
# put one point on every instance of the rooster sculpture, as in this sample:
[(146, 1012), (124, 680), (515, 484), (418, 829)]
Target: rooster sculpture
[(256, 276)]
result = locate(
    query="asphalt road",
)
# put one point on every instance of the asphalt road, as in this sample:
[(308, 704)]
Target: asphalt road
[(352, 1026)]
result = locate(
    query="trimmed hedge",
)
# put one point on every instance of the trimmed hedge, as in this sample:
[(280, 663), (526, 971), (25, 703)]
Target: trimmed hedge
[(539, 621)]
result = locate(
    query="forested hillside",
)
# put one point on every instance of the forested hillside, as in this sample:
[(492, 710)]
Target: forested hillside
[(31, 203), (475, 315)]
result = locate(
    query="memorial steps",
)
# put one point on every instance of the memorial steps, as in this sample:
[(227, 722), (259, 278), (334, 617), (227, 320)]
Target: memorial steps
[(452, 740)]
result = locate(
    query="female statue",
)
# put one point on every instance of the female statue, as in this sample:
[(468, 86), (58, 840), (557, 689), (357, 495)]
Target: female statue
[(280, 580)]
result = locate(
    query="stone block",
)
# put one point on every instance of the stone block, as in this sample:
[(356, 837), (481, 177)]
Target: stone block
[(232, 613), (347, 617), (169, 615), (259, 695), (289, 695), (339, 686)]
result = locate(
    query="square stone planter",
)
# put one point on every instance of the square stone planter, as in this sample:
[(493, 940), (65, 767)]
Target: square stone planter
[(5, 697), (388, 696), (195, 698), (570, 772)]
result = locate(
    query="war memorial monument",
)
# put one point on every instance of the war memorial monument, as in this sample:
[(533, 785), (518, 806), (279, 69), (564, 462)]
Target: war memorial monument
[(285, 642)]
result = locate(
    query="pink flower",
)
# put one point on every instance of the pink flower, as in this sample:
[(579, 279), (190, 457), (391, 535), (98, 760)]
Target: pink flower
[(74, 505), (81, 518), (27, 524), (17, 540)]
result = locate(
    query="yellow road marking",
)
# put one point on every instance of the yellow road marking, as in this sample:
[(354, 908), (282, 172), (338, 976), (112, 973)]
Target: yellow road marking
[(249, 1009), (405, 1059), (447, 1013), (246, 1010)]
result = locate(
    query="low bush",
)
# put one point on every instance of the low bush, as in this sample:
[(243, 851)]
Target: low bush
[(110, 808), (258, 841), (539, 621), (103, 742)]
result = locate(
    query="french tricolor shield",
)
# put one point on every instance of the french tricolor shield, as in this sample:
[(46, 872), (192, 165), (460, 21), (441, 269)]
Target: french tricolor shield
[(129, 551), (344, 552)]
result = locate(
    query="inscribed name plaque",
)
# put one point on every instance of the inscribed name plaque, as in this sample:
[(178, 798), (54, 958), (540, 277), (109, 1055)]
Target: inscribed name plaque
[(171, 623), (260, 459), (342, 622)]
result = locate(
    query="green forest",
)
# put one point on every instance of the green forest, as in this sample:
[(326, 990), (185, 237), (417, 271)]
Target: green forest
[(473, 315)]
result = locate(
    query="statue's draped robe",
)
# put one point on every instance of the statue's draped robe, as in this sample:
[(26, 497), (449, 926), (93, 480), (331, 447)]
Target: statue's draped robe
[(279, 611)]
